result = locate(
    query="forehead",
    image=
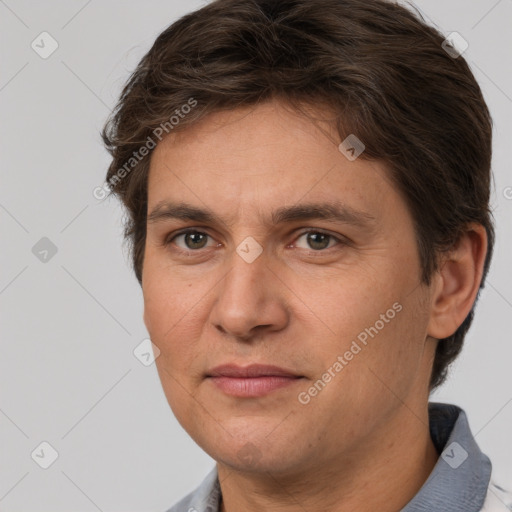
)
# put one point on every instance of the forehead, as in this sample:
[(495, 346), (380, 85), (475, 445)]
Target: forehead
[(257, 159)]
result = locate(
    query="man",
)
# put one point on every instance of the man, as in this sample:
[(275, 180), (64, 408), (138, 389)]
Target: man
[(307, 183)]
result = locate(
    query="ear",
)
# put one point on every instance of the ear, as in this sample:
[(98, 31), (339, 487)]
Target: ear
[(456, 283)]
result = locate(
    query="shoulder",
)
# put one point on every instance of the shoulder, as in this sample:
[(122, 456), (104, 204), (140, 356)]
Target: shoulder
[(185, 504), (497, 499), (203, 499)]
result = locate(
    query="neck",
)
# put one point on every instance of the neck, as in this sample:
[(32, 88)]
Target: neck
[(382, 474)]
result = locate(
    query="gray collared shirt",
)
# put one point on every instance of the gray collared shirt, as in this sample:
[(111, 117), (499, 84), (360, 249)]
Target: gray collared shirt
[(458, 482)]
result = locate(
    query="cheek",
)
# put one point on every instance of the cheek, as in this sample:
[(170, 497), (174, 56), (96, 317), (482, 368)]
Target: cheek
[(345, 305), (377, 325), (174, 314), (164, 314), (167, 299), (171, 329), (395, 354)]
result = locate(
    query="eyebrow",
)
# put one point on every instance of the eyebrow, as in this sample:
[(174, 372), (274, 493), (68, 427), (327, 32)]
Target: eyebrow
[(332, 211)]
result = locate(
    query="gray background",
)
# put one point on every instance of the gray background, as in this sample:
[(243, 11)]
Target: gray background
[(70, 324)]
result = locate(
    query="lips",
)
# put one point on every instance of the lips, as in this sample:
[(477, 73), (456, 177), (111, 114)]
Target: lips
[(251, 381), (253, 370)]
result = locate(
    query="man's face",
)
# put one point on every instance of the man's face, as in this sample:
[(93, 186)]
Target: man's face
[(304, 303)]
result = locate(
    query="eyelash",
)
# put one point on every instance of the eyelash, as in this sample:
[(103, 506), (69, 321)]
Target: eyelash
[(168, 241)]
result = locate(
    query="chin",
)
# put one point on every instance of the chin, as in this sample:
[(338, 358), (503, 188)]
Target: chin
[(259, 456)]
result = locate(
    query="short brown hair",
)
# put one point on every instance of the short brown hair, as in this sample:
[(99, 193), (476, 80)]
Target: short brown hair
[(381, 70)]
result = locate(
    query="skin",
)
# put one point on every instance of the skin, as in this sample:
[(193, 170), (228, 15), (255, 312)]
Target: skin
[(363, 442)]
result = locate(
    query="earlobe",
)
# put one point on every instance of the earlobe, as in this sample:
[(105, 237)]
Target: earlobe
[(456, 283)]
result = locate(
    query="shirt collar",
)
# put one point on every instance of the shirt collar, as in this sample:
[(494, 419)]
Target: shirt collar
[(460, 478), (458, 482)]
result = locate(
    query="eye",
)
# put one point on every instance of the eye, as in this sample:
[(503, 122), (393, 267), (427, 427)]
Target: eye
[(317, 240), (192, 240)]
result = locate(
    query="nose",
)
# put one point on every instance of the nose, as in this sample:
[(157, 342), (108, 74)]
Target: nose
[(250, 301)]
